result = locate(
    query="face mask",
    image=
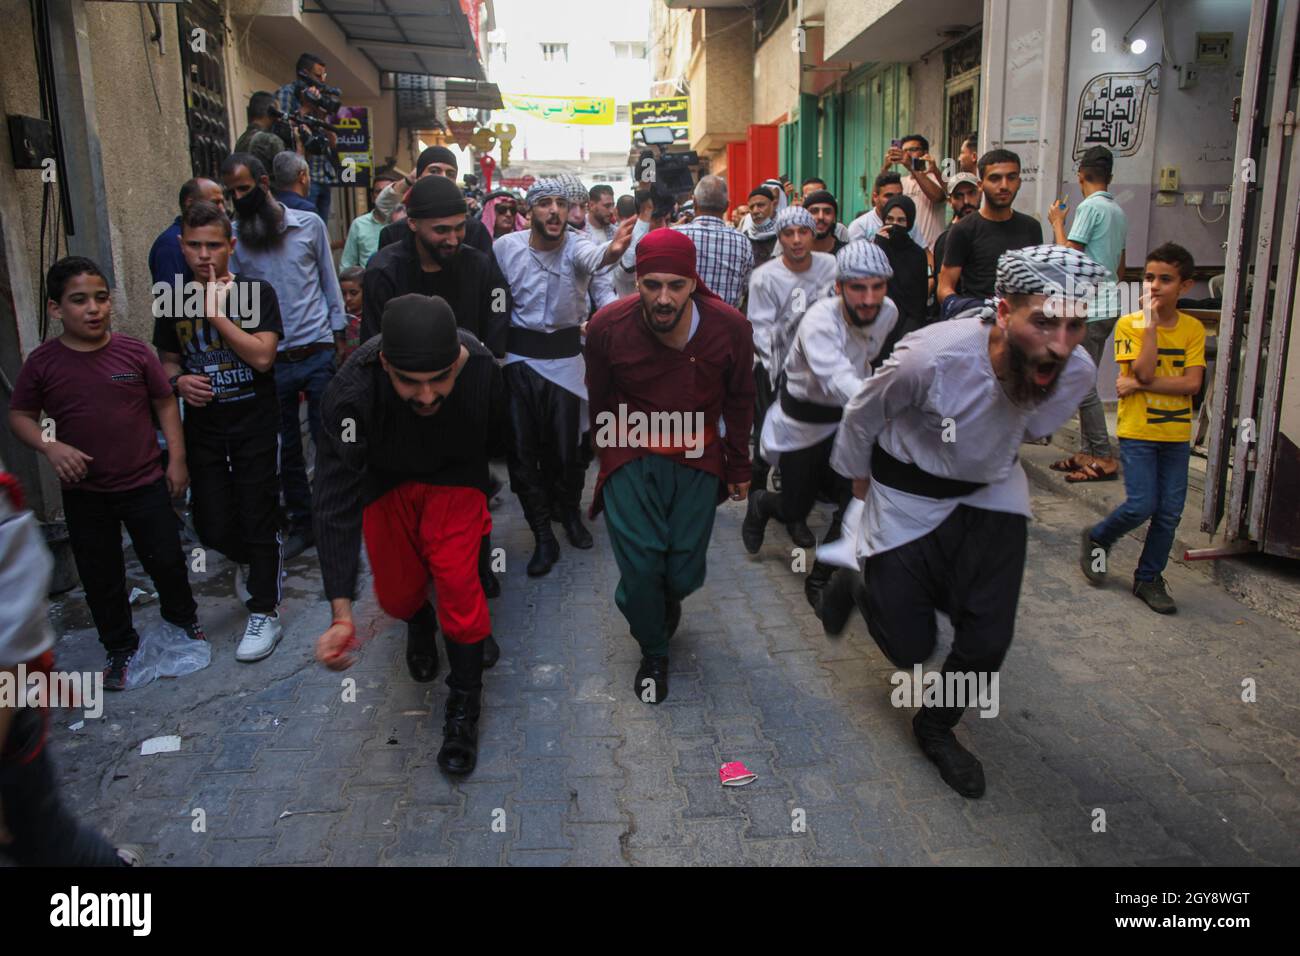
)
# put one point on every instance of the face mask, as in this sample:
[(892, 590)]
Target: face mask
[(247, 205)]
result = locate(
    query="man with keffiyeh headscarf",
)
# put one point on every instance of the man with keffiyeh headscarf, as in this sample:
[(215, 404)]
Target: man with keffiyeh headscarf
[(833, 349), (931, 442), (663, 368), (549, 268)]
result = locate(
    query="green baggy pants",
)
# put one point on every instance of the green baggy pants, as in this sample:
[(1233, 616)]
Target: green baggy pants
[(659, 515)]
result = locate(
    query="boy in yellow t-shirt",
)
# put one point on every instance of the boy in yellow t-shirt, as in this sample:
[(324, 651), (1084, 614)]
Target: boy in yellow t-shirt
[(1161, 356)]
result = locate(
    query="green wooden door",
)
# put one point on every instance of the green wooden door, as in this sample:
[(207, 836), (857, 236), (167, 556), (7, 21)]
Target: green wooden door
[(877, 109)]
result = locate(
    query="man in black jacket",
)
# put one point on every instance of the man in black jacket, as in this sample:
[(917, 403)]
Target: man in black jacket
[(409, 424), (438, 161), (434, 259)]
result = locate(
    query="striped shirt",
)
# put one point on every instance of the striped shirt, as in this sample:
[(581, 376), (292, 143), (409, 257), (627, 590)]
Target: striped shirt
[(724, 257)]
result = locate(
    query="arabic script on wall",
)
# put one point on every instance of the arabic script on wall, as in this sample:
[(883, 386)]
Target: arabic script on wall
[(1113, 110)]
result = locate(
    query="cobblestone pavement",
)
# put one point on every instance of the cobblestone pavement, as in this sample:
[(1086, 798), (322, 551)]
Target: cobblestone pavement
[(1104, 706)]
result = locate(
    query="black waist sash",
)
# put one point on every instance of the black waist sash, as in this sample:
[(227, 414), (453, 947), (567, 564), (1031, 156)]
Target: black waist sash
[(802, 410), (905, 476), (563, 343)]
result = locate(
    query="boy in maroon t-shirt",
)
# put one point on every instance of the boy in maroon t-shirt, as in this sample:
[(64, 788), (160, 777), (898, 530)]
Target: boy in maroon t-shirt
[(96, 388)]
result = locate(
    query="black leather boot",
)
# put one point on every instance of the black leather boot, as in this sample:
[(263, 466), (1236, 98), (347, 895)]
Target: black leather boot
[(491, 586), (575, 530), (758, 511), (491, 652), (813, 585), (422, 645), (459, 751), (801, 534), (651, 686), (838, 598), (959, 768), (546, 552)]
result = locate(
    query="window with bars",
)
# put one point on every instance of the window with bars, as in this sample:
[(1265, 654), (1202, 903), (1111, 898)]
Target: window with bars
[(555, 52)]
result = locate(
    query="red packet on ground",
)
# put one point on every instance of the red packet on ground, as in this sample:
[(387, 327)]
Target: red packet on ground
[(735, 774)]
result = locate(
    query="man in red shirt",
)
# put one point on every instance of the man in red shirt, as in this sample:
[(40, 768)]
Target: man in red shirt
[(662, 370)]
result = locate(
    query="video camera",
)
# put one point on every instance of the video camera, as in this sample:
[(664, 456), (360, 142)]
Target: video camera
[(317, 143), (328, 98), (671, 175)]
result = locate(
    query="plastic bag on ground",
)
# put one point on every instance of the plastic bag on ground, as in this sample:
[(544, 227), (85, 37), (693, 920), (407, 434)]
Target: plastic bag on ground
[(166, 651)]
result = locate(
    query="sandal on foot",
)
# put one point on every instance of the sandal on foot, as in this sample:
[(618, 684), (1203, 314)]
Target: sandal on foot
[(1074, 463), (1093, 472)]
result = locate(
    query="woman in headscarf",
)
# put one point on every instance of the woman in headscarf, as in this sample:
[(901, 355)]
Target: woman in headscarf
[(501, 214), (910, 285)]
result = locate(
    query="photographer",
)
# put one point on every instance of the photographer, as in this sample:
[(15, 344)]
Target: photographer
[(923, 184), (306, 103), (262, 118)]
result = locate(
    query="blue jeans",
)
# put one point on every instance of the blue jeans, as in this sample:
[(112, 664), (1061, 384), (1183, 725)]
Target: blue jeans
[(311, 375), (319, 195), (1155, 480)]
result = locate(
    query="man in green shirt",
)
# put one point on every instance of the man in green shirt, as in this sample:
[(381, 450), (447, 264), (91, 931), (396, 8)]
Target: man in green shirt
[(1099, 232), (363, 234)]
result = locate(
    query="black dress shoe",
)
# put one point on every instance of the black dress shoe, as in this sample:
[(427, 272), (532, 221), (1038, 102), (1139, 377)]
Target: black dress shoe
[(651, 685), (422, 646), (755, 523), (576, 531), (491, 652), (959, 768), (459, 751), (546, 553), (673, 616)]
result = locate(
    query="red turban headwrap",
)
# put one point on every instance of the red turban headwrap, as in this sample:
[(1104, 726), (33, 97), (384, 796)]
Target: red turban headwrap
[(671, 252)]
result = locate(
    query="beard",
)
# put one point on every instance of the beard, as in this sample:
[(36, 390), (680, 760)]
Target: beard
[(1023, 388), (436, 252), (539, 226), (663, 319), (259, 222), (855, 315), (424, 410)]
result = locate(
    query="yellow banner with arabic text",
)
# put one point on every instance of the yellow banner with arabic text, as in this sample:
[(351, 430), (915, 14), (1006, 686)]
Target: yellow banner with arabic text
[(577, 110)]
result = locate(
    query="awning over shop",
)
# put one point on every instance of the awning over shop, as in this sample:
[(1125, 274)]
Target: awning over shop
[(423, 37)]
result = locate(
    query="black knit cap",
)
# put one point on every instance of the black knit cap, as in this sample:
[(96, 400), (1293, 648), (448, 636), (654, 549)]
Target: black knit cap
[(418, 333), (820, 197), (435, 154), (434, 197)]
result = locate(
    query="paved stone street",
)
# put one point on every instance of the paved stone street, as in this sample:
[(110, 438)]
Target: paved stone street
[(1104, 705)]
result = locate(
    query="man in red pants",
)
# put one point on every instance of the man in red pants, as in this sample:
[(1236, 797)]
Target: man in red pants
[(408, 426)]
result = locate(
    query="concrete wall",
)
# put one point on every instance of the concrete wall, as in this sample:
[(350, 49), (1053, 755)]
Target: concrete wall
[(1025, 57), (144, 143), (722, 81), (776, 75), (1190, 128), (928, 102), (845, 19)]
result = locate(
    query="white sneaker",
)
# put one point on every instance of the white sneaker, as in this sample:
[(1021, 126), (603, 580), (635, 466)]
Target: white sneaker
[(260, 637), (241, 583)]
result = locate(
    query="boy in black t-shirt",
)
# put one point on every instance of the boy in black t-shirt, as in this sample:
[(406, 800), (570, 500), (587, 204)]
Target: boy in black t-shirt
[(217, 340), (975, 243)]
